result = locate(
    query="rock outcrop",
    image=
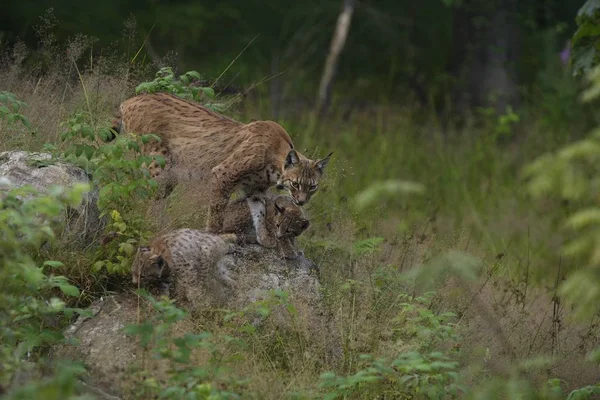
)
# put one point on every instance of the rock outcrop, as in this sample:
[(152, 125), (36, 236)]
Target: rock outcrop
[(111, 355), (82, 224)]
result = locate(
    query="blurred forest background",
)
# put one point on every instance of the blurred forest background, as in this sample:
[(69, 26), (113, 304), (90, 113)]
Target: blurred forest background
[(444, 55), (457, 229)]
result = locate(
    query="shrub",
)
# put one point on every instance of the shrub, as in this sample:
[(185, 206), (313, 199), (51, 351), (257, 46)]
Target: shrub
[(28, 299)]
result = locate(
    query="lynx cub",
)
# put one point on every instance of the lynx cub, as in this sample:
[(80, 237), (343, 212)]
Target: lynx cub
[(199, 144), (187, 258), (281, 218)]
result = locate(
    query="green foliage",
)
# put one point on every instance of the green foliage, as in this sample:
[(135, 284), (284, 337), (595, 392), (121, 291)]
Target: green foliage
[(571, 174), (366, 246), (586, 40), (584, 393), (425, 372), (248, 317), (115, 167), (452, 179), (29, 296), (118, 170), (187, 378), (182, 86), (10, 113), (501, 125), (417, 322), (118, 256), (409, 375), (61, 386)]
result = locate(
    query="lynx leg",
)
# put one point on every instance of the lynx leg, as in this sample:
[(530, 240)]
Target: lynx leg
[(258, 212), (288, 248), (220, 192), (222, 275), (166, 183), (190, 278), (225, 177), (250, 239)]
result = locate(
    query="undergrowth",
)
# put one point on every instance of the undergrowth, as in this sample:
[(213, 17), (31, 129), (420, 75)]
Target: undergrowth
[(430, 251)]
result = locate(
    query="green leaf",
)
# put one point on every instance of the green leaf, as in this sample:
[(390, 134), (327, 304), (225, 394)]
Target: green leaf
[(367, 246), (263, 311), (585, 31), (105, 134), (49, 147), (75, 194), (589, 11), (126, 248), (69, 290), (133, 146), (247, 328), (98, 266), (89, 151), (160, 160), (146, 139), (583, 218), (209, 92), (193, 74), (53, 264)]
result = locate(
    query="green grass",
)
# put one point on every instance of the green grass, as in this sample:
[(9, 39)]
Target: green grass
[(474, 202)]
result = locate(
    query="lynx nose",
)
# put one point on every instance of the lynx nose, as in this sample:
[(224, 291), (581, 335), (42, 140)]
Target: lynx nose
[(300, 199)]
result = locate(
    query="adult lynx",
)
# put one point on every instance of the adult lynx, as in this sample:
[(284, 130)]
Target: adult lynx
[(199, 144)]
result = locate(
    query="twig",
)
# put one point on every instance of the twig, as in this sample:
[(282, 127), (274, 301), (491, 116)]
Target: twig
[(98, 391)]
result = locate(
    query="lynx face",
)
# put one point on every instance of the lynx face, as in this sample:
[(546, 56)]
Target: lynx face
[(147, 266), (301, 177), (289, 219)]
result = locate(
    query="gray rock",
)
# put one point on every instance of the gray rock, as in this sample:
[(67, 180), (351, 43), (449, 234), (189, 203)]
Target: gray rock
[(102, 345), (81, 225), (110, 355)]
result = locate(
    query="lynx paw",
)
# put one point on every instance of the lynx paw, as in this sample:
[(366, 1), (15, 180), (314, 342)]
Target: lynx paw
[(292, 255), (267, 242)]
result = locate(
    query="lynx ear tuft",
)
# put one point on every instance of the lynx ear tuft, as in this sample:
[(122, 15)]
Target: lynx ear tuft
[(321, 164)]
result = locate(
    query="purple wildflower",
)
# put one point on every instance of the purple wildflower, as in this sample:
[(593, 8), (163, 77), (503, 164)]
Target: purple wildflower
[(565, 54)]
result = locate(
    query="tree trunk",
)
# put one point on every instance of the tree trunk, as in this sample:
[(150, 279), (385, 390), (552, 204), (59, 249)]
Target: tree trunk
[(485, 56), (337, 45), (499, 85)]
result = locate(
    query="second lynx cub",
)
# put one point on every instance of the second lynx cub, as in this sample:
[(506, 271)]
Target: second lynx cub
[(187, 258), (279, 217)]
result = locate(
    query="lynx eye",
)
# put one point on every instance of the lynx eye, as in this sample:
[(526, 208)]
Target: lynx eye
[(295, 185), (313, 188)]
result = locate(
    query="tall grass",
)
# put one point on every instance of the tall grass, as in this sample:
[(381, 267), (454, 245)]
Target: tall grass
[(474, 202)]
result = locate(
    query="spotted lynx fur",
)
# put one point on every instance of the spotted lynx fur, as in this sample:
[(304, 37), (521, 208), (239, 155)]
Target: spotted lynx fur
[(199, 144), (186, 259), (282, 219)]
